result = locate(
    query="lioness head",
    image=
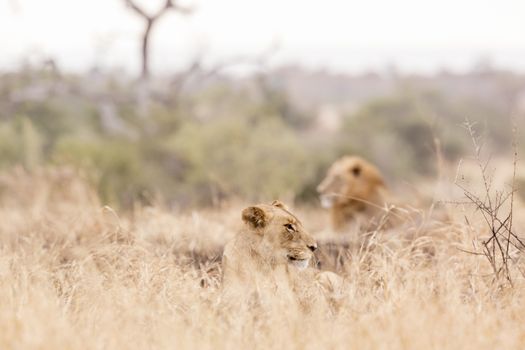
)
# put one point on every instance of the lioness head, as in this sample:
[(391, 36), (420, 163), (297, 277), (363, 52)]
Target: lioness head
[(350, 180), (283, 239)]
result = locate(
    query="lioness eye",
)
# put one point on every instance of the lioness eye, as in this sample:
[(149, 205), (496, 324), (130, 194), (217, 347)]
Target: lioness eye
[(289, 227), (356, 171)]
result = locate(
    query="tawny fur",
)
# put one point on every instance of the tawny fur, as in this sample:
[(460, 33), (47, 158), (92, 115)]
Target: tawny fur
[(352, 188), (266, 254)]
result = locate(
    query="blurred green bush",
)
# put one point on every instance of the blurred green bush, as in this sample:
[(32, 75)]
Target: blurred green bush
[(223, 140), (258, 158), (404, 133)]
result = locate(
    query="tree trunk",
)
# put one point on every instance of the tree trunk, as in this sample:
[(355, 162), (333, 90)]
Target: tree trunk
[(145, 49)]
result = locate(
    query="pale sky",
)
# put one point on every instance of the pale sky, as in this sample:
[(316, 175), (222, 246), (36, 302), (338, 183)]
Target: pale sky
[(343, 35)]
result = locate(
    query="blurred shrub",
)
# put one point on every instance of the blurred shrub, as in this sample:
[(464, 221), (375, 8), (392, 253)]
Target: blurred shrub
[(221, 139), (217, 143), (402, 132), (54, 117), (115, 165), (258, 158), (20, 142), (10, 151)]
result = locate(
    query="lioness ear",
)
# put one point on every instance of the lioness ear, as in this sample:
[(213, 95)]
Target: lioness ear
[(279, 204), (255, 217)]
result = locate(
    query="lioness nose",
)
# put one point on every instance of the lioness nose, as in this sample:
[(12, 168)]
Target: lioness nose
[(312, 247)]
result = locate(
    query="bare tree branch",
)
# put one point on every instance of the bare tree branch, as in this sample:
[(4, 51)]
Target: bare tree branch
[(137, 9), (150, 21), (491, 203)]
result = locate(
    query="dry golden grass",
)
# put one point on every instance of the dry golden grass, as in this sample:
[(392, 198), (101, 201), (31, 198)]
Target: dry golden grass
[(75, 275)]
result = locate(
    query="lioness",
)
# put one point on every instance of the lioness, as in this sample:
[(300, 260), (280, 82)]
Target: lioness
[(273, 251), (352, 187)]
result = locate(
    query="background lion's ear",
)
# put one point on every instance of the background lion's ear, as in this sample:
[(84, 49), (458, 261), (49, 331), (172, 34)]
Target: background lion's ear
[(255, 217), (279, 204)]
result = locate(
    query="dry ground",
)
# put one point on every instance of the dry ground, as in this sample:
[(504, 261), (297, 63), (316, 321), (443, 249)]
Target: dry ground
[(76, 275)]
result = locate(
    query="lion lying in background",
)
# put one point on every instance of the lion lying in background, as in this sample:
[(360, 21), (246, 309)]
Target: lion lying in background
[(274, 252), (353, 188)]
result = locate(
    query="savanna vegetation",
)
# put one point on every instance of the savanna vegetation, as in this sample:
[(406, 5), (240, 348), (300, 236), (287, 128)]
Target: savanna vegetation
[(199, 143), (117, 197), (79, 275)]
